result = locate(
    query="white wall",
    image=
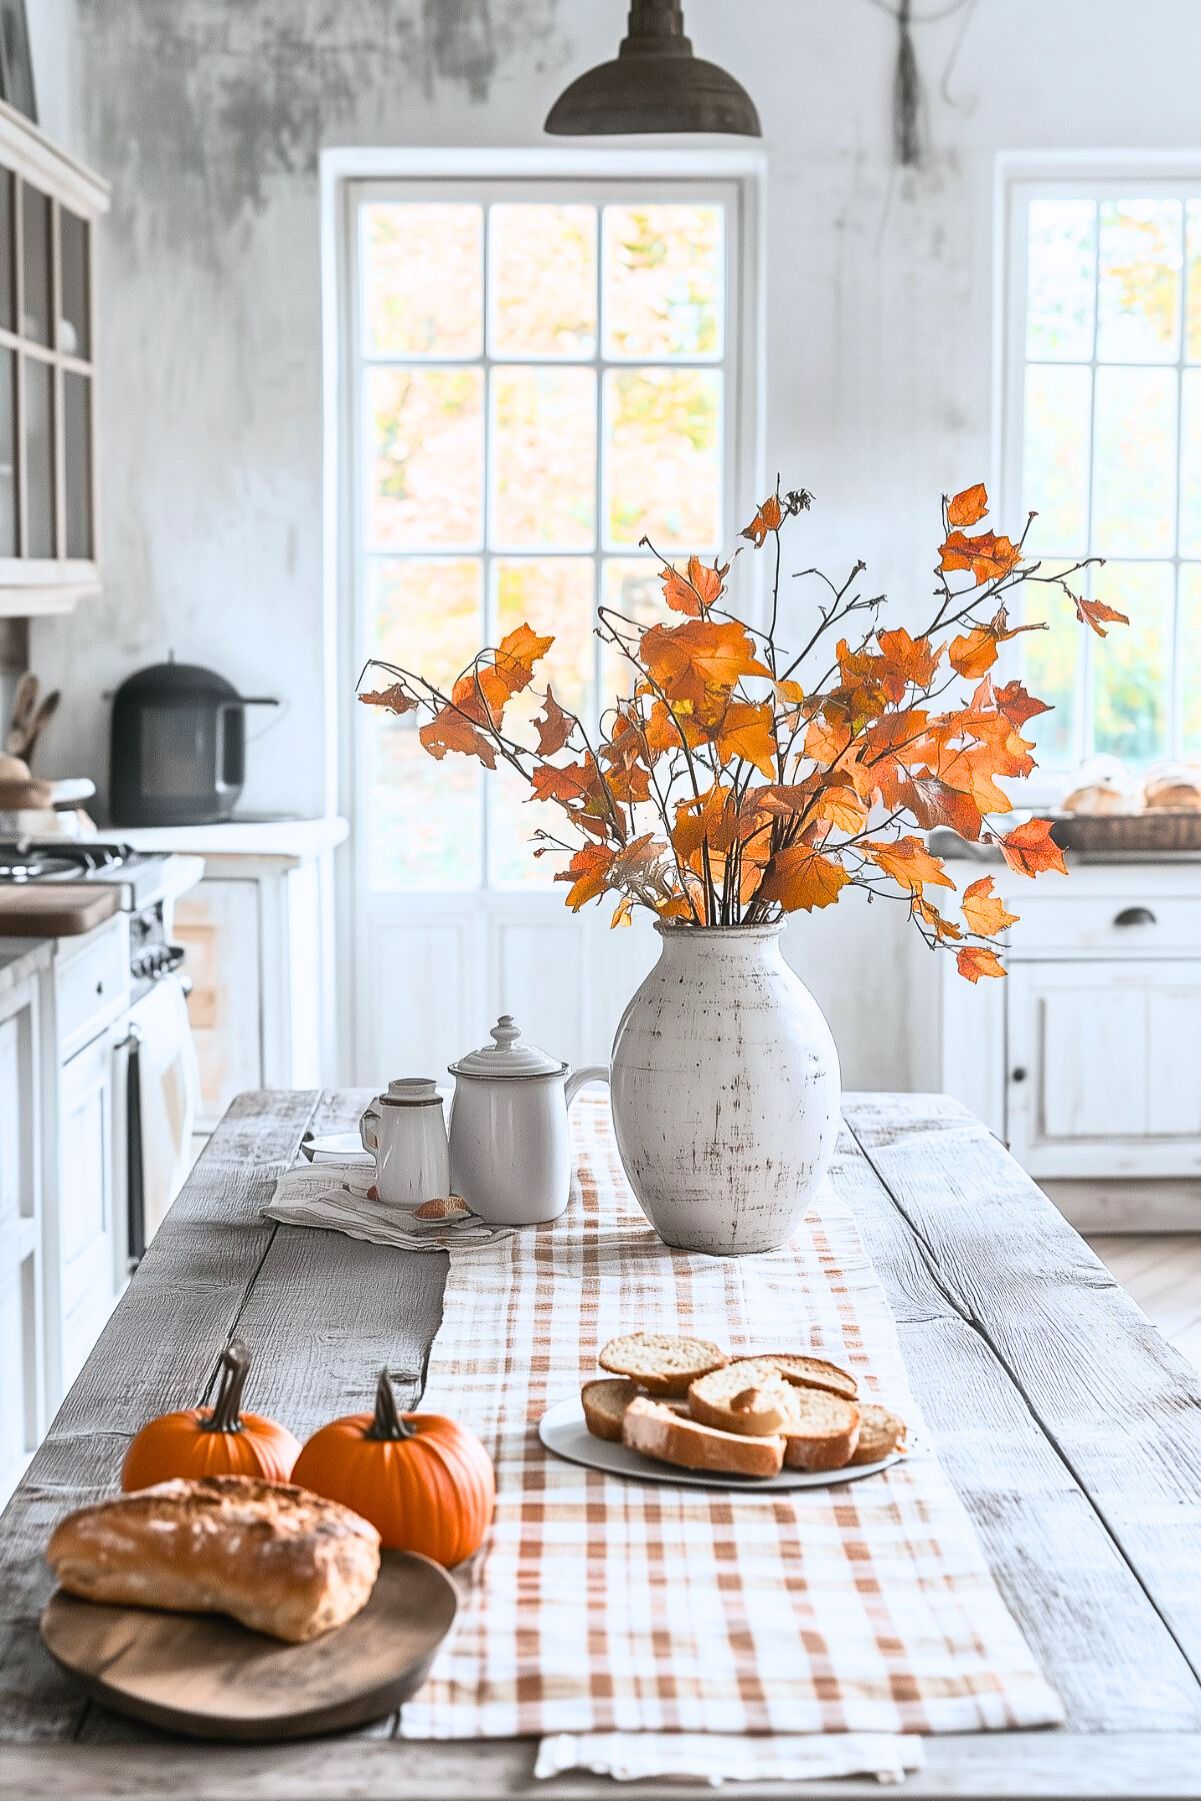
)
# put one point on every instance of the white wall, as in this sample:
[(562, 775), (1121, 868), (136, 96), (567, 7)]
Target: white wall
[(207, 116)]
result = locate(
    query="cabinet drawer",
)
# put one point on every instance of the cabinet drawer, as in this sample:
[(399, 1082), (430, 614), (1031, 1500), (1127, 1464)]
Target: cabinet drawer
[(1114, 925), (92, 984)]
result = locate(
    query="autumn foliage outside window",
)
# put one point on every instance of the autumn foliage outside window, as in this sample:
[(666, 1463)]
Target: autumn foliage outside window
[(749, 774)]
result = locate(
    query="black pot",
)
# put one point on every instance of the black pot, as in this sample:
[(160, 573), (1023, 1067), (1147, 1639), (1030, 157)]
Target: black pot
[(178, 746)]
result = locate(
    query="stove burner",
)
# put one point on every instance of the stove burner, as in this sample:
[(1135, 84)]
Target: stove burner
[(35, 869), (21, 861)]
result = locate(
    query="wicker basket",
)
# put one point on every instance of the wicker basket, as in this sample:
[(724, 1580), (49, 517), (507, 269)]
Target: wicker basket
[(1157, 830)]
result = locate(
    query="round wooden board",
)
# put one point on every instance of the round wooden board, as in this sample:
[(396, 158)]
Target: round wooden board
[(208, 1677), (564, 1431)]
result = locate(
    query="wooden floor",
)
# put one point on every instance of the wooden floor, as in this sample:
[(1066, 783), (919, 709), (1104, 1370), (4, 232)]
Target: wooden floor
[(1163, 1273)]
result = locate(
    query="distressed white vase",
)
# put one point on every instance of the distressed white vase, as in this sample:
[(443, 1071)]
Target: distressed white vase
[(725, 1085)]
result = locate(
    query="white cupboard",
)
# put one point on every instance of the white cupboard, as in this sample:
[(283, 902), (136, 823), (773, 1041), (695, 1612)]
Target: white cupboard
[(22, 1390), (88, 1225)]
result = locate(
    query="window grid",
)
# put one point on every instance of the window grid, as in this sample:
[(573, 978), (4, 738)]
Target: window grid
[(604, 550), (1097, 195)]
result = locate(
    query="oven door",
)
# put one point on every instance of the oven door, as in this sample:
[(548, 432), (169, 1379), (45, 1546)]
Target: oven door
[(163, 1089)]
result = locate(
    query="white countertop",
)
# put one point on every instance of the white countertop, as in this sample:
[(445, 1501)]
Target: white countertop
[(301, 838), (20, 957)]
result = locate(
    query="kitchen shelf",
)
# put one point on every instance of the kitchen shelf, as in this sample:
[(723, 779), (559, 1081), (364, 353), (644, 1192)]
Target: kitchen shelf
[(49, 207)]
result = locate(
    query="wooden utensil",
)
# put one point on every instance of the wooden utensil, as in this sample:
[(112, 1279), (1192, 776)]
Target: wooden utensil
[(39, 722), (24, 705), (207, 1677)]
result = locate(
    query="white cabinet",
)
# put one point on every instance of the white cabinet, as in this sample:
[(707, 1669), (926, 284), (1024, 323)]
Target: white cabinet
[(218, 926), (88, 1225), (22, 1394)]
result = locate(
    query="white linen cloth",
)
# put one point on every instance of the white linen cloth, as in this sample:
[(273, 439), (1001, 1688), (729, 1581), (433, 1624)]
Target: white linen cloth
[(332, 1196)]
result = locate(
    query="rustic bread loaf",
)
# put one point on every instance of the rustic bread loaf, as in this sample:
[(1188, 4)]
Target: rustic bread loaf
[(812, 1372), (659, 1431), (823, 1433), (274, 1557), (661, 1363), (605, 1402), (880, 1434), (750, 1397)]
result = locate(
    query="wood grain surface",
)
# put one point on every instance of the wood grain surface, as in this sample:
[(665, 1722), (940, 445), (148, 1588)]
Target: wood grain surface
[(55, 909), (1068, 1426)]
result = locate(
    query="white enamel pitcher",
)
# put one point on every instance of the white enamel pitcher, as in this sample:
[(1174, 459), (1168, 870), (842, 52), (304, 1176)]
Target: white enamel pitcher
[(510, 1158), (405, 1130)]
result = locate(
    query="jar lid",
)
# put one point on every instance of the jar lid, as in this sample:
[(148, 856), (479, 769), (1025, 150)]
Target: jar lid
[(509, 1054), (411, 1091)]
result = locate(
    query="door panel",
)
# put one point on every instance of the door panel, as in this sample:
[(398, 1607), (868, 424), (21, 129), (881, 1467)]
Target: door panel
[(218, 925), (1105, 1067), (86, 1202)]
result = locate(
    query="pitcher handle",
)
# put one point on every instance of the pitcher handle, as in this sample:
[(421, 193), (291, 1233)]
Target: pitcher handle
[(594, 1072), (369, 1127)]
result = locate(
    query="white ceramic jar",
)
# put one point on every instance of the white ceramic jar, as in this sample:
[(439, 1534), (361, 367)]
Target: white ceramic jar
[(510, 1157), (405, 1130)]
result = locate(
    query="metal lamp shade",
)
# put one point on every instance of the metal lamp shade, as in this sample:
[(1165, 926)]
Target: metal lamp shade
[(654, 84)]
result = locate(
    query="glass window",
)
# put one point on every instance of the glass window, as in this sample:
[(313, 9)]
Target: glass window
[(542, 376), (1107, 447)]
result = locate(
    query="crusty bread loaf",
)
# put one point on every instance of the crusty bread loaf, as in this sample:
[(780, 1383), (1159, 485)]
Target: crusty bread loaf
[(1178, 792), (812, 1372), (823, 1433), (661, 1363), (451, 1207), (605, 1402), (1098, 798), (277, 1558), (880, 1434), (750, 1397), (659, 1431)]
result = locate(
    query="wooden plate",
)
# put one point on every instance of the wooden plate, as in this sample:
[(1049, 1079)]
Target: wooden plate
[(564, 1431), (208, 1677)]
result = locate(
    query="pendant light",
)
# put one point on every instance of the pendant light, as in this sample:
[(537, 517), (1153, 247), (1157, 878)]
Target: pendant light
[(654, 83)]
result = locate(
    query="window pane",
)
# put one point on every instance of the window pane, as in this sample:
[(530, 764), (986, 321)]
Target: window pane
[(424, 820), (663, 281), (633, 587), (423, 279), (1190, 464), (1192, 330), (35, 257), (73, 334), (543, 459), (1051, 664), (1138, 303), (1134, 462), (39, 459), (663, 457), (543, 281), (1131, 667), (1055, 471), (1060, 279), (77, 462), (1189, 603), (554, 594), (426, 458)]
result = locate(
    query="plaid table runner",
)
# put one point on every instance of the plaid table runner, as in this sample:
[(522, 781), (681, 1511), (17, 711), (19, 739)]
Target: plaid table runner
[(602, 1606)]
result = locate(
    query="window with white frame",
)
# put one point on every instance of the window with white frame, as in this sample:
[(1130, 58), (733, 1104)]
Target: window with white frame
[(1103, 437), (542, 375)]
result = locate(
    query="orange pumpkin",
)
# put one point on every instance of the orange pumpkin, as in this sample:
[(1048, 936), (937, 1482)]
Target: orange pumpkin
[(425, 1482), (212, 1441)]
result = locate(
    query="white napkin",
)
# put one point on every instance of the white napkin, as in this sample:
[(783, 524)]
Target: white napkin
[(332, 1196), (714, 1757)]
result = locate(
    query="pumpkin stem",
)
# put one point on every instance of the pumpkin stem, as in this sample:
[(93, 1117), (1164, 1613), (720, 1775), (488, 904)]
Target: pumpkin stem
[(387, 1422), (235, 1367)]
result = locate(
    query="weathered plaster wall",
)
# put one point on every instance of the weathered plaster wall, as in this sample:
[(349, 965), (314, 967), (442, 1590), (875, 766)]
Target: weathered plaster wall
[(208, 115)]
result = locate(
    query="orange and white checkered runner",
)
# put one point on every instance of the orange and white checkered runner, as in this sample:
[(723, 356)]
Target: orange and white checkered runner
[(603, 1606)]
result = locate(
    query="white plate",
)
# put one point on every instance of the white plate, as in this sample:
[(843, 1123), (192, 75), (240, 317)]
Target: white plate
[(563, 1430), (336, 1147)]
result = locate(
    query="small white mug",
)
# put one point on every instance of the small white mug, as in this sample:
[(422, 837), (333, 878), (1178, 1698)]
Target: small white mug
[(405, 1130)]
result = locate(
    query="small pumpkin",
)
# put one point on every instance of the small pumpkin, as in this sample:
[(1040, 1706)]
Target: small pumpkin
[(219, 1440), (425, 1482)]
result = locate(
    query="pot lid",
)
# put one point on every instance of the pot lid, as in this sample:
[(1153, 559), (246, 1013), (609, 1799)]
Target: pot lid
[(509, 1054), (411, 1091)]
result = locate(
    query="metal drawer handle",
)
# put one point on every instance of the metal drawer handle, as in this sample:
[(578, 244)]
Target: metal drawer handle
[(1135, 916), (1018, 1075)]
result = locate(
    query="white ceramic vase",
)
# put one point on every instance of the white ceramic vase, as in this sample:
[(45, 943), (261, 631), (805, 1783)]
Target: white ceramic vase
[(725, 1088)]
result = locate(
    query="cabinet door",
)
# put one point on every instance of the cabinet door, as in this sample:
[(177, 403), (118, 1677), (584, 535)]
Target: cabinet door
[(1105, 1068), (218, 926), (87, 1201), (20, 1226)]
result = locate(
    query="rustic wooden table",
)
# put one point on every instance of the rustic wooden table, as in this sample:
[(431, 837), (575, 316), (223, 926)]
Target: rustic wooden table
[(1070, 1427)]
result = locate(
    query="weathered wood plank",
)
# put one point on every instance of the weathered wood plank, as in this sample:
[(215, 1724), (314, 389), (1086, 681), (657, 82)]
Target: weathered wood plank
[(1100, 1642), (159, 1350), (1119, 1403), (989, 1766)]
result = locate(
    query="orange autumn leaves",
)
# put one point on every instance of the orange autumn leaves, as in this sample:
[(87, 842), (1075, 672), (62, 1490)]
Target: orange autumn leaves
[(736, 782)]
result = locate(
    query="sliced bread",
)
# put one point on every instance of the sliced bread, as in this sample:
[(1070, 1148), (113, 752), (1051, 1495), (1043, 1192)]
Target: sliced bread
[(605, 1402), (811, 1372), (660, 1362), (750, 1397), (880, 1434), (823, 1433), (660, 1432)]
